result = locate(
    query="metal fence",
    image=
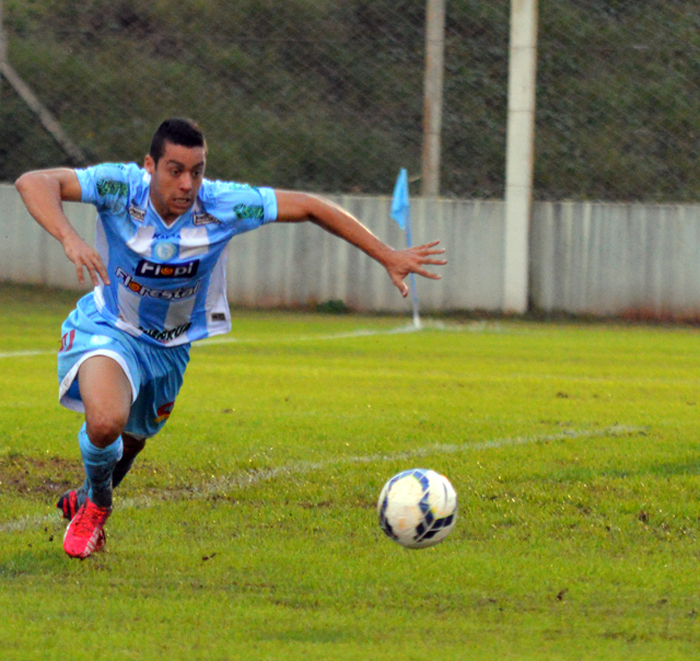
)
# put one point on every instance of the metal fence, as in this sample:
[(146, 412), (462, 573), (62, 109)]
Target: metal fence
[(618, 100), (328, 95)]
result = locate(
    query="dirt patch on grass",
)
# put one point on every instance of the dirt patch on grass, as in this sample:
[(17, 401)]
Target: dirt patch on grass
[(40, 476)]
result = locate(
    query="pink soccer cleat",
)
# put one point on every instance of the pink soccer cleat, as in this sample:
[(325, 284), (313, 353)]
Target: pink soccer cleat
[(85, 533), (68, 504)]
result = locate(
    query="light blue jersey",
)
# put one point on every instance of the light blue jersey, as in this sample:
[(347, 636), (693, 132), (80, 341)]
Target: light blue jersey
[(168, 282)]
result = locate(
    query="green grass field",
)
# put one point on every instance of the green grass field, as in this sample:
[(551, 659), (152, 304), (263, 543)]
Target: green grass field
[(248, 529)]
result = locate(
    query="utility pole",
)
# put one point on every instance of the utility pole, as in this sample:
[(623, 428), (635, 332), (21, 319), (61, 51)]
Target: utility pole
[(519, 152), (3, 40), (432, 113)]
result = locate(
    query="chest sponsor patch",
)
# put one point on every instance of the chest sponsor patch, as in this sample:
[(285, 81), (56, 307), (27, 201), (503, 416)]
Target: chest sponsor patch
[(152, 270), (167, 334), (151, 292)]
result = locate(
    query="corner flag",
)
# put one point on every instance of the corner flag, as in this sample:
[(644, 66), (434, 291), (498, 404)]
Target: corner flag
[(400, 212), (400, 205)]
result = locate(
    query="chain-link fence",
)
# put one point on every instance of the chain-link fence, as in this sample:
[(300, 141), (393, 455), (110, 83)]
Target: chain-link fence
[(618, 100), (328, 95)]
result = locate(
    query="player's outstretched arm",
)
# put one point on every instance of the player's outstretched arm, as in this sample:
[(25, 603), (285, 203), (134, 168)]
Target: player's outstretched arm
[(296, 207), (43, 192)]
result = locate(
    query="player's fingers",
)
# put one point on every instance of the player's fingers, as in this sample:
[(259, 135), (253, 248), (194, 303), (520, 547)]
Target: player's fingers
[(93, 274), (426, 252), (430, 244), (428, 274), (102, 270), (430, 249), (96, 268), (400, 284)]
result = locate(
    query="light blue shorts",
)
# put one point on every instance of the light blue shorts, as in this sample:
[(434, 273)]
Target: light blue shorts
[(155, 373)]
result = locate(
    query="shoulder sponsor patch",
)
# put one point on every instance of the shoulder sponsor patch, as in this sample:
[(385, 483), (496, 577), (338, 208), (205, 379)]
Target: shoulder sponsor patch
[(249, 212), (107, 187), (203, 218), (137, 213)]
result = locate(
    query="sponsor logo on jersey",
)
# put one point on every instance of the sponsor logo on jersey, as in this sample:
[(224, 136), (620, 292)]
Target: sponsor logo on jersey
[(249, 212), (137, 213), (107, 187), (168, 334), (150, 292), (218, 316), (153, 270), (203, 218)]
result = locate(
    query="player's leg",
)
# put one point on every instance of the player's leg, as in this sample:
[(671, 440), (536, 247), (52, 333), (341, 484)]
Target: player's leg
[(71, 501), (132, 447), (106, 394), (159, 375)]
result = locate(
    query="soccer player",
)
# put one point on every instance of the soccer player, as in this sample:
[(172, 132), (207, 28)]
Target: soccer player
[(159, 277)]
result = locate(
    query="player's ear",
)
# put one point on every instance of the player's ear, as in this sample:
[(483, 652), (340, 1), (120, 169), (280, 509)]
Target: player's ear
[(149, 164)]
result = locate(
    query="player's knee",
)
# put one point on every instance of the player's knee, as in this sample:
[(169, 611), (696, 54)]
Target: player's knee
[(104, 428)]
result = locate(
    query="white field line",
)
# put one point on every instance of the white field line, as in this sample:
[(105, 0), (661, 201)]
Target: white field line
[(475, 327), (227, 483), (22, 354)]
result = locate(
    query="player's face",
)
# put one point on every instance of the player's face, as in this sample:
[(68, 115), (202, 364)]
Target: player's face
[(176, 179)]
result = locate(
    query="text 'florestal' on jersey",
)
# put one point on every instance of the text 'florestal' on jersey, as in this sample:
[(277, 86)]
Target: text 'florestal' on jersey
[(151, 292)]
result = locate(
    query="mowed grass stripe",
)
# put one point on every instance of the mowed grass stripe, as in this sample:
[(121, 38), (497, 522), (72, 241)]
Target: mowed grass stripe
[(224, 484)]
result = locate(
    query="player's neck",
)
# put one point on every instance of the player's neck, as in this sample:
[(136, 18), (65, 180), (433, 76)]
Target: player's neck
[(168, 219)]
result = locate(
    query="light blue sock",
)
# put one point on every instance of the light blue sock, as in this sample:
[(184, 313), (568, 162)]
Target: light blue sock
[(99, 465), (120, 470)]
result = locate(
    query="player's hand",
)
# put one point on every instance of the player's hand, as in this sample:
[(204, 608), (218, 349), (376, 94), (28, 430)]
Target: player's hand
[(412, 260), (84, 256)]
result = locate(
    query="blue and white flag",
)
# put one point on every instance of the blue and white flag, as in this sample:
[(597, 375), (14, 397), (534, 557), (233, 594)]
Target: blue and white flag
[(400, 208), (400, 205)]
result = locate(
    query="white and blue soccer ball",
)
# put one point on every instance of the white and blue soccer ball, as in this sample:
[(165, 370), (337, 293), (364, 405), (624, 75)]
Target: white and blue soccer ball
[(417, 508)]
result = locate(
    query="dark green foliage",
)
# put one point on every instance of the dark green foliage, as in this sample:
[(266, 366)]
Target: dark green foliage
[(329, 95), (618, 100)]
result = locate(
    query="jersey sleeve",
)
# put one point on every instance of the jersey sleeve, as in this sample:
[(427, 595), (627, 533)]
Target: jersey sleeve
[(107, 186), (240, 206)]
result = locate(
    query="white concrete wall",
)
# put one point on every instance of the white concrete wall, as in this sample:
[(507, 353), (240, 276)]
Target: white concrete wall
[(611, 259), (27, 253), (299, 264), (592, 258)]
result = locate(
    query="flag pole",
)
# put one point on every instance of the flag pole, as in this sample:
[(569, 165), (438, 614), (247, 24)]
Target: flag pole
[(414, 294), (400, 212)]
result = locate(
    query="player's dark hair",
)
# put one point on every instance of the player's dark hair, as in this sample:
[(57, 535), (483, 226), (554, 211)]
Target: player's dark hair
[(178, 131)]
